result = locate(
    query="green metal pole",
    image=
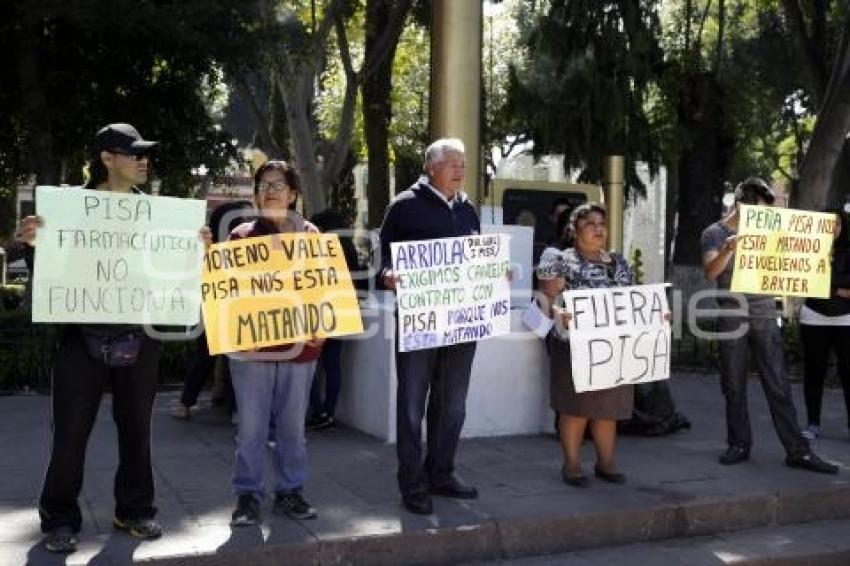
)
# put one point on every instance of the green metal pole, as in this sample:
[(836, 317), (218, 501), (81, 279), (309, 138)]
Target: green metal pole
[(455, 104)]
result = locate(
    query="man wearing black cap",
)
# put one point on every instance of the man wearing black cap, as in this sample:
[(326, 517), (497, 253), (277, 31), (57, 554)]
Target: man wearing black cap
[(119, 159), (119, 163), (750, 326)]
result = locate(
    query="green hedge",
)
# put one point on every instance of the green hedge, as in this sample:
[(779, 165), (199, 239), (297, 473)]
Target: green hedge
[(26, 354), (11, 296)]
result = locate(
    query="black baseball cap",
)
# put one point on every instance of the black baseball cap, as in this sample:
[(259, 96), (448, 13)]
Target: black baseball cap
[(121, 138)]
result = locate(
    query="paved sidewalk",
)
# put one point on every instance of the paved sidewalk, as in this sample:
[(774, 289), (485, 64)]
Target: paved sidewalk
[(676, 488), (821, 543)]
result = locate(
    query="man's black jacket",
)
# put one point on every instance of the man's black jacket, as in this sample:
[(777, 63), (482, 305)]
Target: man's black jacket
[(420, 214)]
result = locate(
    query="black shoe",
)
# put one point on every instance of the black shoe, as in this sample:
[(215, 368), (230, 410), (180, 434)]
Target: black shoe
[(734, 455), (247, 511), (62, 540), (610, 477), (320, 421), (419, 503), (294, 506), (575, 481), (145, 529), (454, 488), (810, 461)]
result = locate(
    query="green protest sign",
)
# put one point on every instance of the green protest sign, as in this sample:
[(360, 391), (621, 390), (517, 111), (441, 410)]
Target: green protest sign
[(117, 258)]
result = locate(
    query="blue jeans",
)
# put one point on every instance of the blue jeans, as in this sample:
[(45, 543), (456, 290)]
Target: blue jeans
[(270, 392)]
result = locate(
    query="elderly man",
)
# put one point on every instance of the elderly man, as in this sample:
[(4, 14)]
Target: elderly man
[(434, 207), (761, 338)]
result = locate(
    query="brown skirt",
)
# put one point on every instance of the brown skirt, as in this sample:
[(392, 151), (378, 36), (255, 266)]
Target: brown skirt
[(613, 403)]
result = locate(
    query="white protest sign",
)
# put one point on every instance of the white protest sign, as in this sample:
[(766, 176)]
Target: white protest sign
[(618, 336), (117, 258), (452, 290)]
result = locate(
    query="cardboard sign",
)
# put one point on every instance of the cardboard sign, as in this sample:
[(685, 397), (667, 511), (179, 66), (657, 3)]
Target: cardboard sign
[(116, 258), (782, 251), (278, 289), (618, 336), (452, 290)]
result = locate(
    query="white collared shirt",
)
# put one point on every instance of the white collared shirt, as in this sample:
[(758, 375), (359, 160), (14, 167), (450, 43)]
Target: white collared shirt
[(460, 196)]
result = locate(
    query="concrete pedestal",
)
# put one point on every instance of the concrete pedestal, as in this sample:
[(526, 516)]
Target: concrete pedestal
[(508, 394)]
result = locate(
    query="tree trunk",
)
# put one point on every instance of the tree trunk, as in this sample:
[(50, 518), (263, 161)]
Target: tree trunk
[(703, 164), (377, 113), (810, 46), (838, 193), (828, 140), (671, 208), (264, 126), (40, 151), (301, 134)]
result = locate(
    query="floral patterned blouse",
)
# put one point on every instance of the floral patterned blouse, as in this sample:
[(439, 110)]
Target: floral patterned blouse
[(581, 273)]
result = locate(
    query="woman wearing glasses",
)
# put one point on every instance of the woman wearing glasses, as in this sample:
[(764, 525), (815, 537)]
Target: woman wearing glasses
[(273, 385)]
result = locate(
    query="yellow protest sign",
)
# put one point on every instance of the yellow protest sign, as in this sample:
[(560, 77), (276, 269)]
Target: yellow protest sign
[(782, 251), (277, 289)]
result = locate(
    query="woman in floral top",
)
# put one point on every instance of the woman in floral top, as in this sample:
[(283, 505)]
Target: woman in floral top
[(587, 265)]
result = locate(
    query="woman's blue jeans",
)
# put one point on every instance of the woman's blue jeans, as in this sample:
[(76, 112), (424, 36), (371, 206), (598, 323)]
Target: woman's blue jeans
[(271, 392)]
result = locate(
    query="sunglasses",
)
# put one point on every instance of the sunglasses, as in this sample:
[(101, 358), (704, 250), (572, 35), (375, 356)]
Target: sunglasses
[(130, 156)]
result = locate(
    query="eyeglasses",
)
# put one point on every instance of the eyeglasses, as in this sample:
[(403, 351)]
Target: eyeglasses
[(273, 187)]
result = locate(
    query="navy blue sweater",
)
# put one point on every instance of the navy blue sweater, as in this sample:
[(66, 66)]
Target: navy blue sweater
[(419, 214)]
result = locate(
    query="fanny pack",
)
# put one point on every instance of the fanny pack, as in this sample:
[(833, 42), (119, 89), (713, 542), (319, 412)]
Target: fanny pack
[(115, 351)]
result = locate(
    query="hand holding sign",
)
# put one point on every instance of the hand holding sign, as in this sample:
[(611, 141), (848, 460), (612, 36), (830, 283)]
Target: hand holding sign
[(26, 232), (206, 237), (562, 316), (390, 279)]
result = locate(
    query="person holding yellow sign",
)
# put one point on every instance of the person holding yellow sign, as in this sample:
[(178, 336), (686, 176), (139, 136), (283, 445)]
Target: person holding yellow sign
[(748, 325), (273, 384)]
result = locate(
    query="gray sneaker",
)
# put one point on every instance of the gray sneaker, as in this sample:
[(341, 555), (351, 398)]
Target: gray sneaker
[(145, 529), (294, 506)]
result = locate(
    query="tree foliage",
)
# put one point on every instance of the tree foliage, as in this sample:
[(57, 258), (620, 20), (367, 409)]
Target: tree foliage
[(301, 40), (70, 67), (584, 92)]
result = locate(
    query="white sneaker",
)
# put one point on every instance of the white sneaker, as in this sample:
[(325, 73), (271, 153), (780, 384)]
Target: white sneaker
[(811, 432), (181, 412)]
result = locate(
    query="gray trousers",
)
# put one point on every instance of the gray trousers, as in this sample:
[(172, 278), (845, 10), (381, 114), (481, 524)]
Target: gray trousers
[(764, 342), (440, 376)]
